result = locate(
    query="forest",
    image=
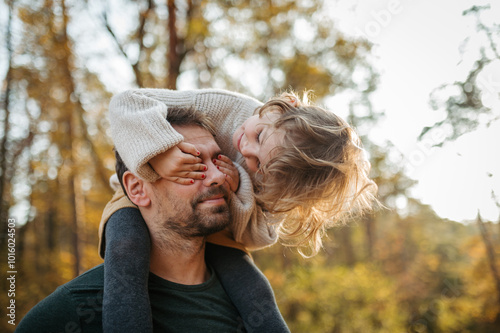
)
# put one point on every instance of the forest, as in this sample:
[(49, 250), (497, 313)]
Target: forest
[(401, 268)]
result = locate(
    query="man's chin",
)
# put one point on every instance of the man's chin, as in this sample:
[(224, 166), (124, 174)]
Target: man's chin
[(213, 220)]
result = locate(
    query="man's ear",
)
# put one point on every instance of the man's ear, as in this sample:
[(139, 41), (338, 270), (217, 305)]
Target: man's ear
[(135, 189)]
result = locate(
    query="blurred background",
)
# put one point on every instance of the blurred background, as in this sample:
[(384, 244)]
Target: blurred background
[(420, 81)]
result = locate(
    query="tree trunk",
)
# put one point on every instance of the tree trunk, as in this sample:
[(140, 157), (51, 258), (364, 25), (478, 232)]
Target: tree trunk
[(173, 59), (70, 146), (98, 163), (6, 127), (344, 236), (140, 40), (490, 251), (370, 236), (498, 231)]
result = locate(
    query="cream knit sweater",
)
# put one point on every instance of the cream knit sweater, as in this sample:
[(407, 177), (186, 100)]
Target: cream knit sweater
[(140, 131)]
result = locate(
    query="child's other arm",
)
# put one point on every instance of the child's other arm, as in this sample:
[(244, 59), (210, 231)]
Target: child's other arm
[(250, 225)]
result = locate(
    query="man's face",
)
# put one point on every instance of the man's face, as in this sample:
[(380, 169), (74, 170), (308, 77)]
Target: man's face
[(193, 210)]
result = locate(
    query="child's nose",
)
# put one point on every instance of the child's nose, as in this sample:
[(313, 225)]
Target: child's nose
[(247, 149)]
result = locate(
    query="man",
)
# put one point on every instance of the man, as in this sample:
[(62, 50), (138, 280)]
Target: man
[(185, 294)]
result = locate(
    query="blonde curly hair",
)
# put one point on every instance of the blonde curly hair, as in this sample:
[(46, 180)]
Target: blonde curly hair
[(318, 176)]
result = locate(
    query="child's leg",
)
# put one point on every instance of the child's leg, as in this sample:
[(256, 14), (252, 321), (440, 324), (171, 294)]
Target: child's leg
[(248, 289), (126, 306)]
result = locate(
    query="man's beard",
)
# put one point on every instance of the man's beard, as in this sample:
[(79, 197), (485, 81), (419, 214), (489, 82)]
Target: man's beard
[(197, 222), (206, 221)]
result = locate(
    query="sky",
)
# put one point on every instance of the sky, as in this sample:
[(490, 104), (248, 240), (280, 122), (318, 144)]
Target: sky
[(416, 44)]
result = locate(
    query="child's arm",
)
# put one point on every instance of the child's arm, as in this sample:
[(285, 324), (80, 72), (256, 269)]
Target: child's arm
[(143, 112), (126, 306), (250, 225), (248, 289)]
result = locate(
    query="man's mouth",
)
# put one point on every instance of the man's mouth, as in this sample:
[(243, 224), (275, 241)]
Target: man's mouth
[(217, 196), (215, 200)]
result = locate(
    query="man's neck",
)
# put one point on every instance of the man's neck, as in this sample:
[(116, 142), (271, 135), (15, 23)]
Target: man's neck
[(180, 261)]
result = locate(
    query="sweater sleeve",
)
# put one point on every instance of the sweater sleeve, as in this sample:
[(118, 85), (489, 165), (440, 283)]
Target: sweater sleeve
[(251, 226), (140, 130)]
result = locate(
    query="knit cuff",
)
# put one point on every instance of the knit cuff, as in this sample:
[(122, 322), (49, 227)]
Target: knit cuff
[(249, 224)]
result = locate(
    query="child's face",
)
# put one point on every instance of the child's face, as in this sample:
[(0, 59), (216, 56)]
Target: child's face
[(256, 138)]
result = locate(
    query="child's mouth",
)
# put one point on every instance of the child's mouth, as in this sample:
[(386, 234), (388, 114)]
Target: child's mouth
[(239, 141)]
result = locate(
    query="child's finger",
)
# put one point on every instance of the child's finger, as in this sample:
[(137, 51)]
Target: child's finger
[(180, 180), (226, 166), (224, 159), (188, 148), (194, 175), (223, 163), (190, 159), (194, 167), (227, 171), (232, 183)]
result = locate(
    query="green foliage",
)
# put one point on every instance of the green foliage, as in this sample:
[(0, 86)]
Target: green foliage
[(426, 274), (340, 298)]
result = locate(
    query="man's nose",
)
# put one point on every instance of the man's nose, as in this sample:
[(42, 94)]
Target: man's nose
[(214, 177)]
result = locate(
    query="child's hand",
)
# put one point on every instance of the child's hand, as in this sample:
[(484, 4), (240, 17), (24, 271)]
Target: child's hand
[(179, 164), (226, 166)]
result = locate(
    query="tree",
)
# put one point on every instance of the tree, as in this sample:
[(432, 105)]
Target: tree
[(473, 101), (54, 174), (6, 87), (492, 263), (246, 45)]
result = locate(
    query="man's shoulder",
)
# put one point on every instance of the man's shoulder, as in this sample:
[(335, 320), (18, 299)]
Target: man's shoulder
[(85, 292), (79, 300), (91, 279)]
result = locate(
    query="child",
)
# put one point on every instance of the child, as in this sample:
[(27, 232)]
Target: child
[(298, 169)]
